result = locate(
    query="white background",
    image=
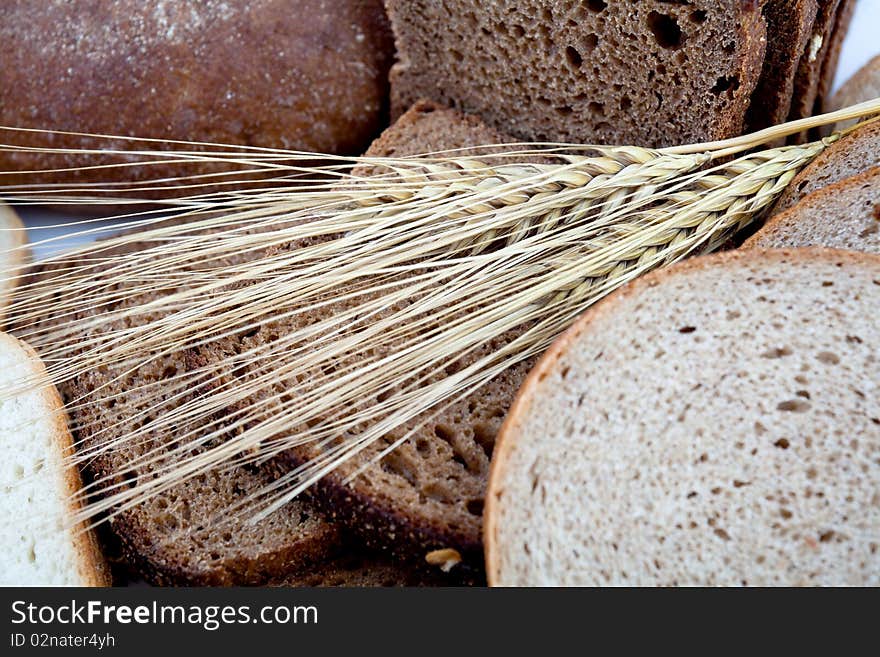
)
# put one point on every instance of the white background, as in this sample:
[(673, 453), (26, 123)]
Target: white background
[(862, 43)]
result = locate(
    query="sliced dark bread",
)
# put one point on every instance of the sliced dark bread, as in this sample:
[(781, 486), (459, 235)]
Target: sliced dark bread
[(854, 154), (863, 85), (651, 73), (845, 215), (809, 74), (713, 423), (789, 27), (184, 535), (845, 12), (427, 494)]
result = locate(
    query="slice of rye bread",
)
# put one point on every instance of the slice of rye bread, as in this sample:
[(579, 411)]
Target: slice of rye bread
[(789, 27), (852, 155), (14, 254), (172, 539), (651, 73), (714, 423), (863, 85), (845, 215), (40, 544), (809, 74), (428, 493), (845, 12), (183, 535)]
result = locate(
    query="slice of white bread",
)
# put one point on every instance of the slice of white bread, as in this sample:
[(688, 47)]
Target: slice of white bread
[(38, 544), (714, 423), (14, 253), (863, 85), (845, 215)]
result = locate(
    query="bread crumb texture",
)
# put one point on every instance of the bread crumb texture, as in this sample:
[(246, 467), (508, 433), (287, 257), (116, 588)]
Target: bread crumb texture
[(38, 542), (716, 425)]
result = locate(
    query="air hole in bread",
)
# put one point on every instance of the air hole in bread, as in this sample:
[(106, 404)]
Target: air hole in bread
[(828, 358), (725, 83), (778, 352), (687, 329), (794, 406), (698, 16), (573, 57), (596, 6), (666, 30), (475, 507), (484, 436), (782, 443)]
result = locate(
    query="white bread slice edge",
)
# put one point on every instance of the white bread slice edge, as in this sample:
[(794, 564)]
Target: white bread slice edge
[(14, 253), (549, 366), (39, 546)]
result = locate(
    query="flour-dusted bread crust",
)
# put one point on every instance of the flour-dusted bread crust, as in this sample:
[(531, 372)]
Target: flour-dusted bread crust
[(650, 73), (852, 155), (844, 215), (713, 423), (40, 544), (14, 254), (306, 75)]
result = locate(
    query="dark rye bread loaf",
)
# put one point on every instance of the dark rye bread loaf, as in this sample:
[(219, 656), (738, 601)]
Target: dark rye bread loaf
[(844, 215), (184, 535), (789, 27), (296, 74), (855, 153), (651, 73)]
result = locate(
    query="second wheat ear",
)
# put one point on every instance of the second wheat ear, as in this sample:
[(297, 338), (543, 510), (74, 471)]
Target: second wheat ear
[(374, 299)]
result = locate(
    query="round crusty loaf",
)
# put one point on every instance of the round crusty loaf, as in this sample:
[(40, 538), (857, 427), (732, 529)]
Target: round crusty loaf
[(715, 423), (39, 545), (295, 74), (844, 215)]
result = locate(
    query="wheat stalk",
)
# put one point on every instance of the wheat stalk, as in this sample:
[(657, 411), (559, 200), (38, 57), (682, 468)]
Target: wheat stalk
[(394, 278)]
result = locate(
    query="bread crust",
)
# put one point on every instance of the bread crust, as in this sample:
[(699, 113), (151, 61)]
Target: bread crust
[(92, 567), (307, 75), (16, 256), (506, 441)]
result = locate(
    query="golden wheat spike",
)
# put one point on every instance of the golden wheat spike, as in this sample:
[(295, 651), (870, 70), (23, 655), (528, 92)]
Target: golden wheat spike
[(391, 279)]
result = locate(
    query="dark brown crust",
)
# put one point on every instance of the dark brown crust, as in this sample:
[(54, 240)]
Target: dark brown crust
[(788, 30), (525, 397), (829, 67), (93, 568), (297, 74), (806, 81)]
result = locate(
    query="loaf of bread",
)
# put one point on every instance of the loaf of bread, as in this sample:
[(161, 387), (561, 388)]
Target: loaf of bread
[(714, 423), (650, 73), (41, 544), (294, 74), (844, 215), (14, 253)]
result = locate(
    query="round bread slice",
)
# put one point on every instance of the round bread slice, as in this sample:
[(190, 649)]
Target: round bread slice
[(845, 215), (854, 154), (40, 545), (715, 423), (14, 253), (863, 85)]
